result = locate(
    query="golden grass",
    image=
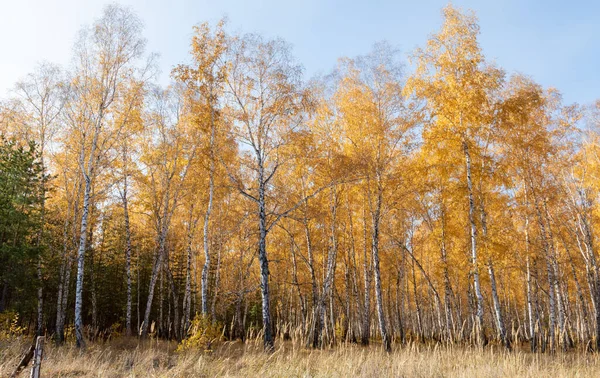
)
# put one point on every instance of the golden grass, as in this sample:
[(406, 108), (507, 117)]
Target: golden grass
[(130, 358)]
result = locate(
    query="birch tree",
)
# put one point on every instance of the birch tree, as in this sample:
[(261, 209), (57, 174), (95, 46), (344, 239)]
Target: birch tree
[(455, 83), (264, 91), (205, 83), (42, 95), (168, 156), (105, 57)]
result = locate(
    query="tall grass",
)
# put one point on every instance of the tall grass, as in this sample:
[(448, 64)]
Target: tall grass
[(134, 358)]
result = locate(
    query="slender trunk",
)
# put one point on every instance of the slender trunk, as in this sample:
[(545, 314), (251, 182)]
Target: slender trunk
[(93, 291), (80, 264), (420, 331), (161, 302), (93, 276), (156, 268), (137, 269), (592, 281), (447, 298), (88, 174), (447, 286), (59, 330), (532, 319), (497, 307), (587, 230), (63, 282), (40, 278), (433, 290), (530, 308), (187, 297), (63, 299), (354, 271), (597, 311), (329, 277), (211, 188), (269, 343), (40, 233), (315, 328), (499, 321), (400, 302), (296, 282), (206, 267), (40, 299), (562, 319), (550, 274), (347, 287), (378, 291), (580, 298), (127, 252), (175, 297), (366, 326), (473, 230), (551, 305), (213, 306)]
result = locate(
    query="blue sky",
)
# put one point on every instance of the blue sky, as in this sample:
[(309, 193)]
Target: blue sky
[(555, 42)]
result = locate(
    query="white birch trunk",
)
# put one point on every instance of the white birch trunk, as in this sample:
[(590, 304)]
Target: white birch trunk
[(473, 231)]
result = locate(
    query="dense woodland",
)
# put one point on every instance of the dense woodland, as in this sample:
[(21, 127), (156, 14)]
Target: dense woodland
[(433, 199)]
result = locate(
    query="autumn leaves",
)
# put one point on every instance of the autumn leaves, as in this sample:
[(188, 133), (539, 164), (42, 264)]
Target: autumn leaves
[(458, 196)]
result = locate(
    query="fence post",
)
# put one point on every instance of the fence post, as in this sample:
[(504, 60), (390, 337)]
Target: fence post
[(37, 357)]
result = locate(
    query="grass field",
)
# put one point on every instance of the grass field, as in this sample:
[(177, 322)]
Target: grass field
[(130, 358)]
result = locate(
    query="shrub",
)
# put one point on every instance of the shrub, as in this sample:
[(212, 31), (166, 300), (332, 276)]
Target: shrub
[(9, 325), (201, 334)]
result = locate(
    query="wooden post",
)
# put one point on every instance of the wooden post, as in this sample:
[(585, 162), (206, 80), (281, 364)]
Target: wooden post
[(37, 357)]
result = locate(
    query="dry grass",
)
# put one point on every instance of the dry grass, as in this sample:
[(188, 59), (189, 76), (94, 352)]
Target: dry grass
[(129, 358)]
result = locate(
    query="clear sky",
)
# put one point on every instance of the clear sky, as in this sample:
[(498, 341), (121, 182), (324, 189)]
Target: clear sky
[(556, 42)]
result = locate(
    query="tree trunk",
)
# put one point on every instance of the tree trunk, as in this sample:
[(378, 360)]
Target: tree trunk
[(473, 229), (532, 319), (40, 278), (329, 277), (156, 268), (564, 337), (127, 253), (93, 276), (420, 331), (387, 344), (176, 328), (211, 188), (269, 343), (400, 302), (296, 282), (63, 298), (187, 297), (585, 335), (59, 329), (213, 306), (80, 264), (497, 309), (315, 328), (88, 175), (366, 326), (447, 286)]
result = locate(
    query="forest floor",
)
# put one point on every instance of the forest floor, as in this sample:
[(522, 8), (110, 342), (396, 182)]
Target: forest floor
[(130, 358)]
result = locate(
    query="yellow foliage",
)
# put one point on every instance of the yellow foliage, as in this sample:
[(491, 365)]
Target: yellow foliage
[(9, 325), (201, 334)]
